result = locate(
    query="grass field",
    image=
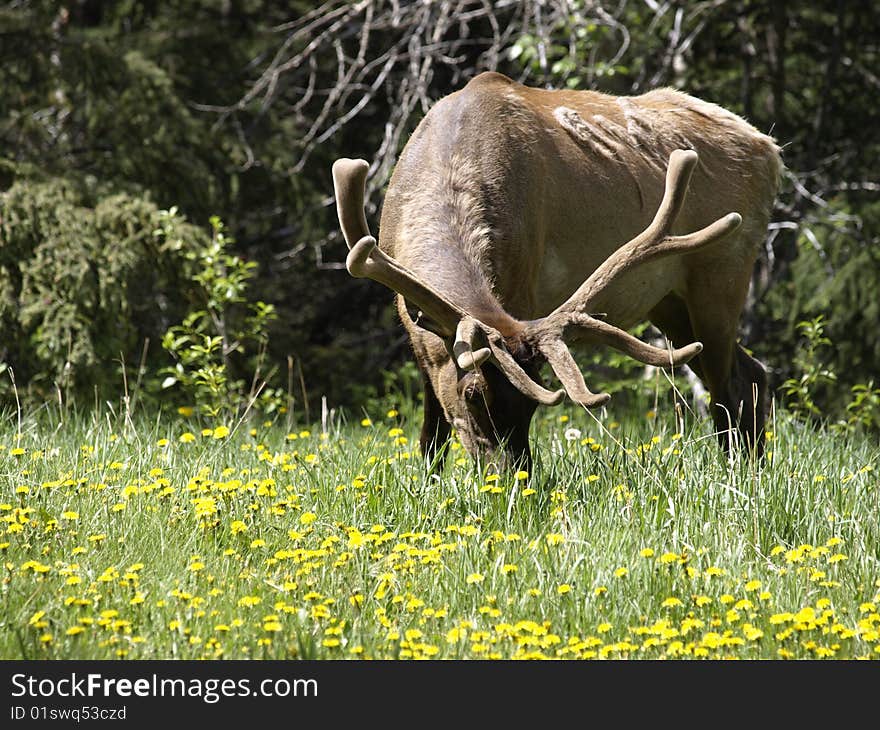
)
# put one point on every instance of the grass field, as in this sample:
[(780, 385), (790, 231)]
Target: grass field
[(174, 538)]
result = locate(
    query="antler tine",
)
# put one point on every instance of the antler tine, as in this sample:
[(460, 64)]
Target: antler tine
[(349, 181), (520, 379), (469, 332), (366, 260), (466, 334), (570, 376), (608, 334)]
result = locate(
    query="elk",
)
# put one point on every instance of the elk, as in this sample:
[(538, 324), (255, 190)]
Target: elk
[(519, 221)]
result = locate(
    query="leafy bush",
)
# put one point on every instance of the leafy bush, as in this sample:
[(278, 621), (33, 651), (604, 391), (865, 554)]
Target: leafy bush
[(833, 282), (85, 285), (219, 328)]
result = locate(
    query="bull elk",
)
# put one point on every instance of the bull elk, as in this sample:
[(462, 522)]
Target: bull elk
[(502, 232)]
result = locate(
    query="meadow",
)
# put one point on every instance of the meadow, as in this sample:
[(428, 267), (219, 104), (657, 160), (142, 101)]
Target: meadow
[(177, 537)]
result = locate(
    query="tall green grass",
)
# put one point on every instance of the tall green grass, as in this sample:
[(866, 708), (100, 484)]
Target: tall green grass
[(636, 537)]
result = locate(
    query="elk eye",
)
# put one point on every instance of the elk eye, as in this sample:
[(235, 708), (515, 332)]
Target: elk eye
[(472, 387)]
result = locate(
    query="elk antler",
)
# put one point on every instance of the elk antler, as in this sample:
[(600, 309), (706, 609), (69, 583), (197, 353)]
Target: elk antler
[(547, 334), (366, 259)]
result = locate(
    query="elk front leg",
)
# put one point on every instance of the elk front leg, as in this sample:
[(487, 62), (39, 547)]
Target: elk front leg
[(435, 428)]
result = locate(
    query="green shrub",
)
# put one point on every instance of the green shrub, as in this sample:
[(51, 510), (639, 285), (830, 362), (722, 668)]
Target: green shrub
[(221, 326), (833, 280), (85, 285)]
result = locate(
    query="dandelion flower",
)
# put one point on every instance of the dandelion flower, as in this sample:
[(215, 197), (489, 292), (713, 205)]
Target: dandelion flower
[(237, 526)]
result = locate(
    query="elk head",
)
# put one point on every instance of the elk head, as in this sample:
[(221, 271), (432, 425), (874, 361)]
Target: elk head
[(498, 383)]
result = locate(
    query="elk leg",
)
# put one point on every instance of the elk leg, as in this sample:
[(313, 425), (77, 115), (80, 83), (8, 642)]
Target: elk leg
[(749, 383), (435, 428), (736, 381), (671, 317)]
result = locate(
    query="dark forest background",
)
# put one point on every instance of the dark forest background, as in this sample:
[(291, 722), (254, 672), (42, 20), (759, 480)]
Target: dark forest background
[(166, 216)]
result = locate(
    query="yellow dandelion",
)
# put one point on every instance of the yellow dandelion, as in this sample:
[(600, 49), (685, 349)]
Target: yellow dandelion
[(220, 432), (237, 526), (795, 555)]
